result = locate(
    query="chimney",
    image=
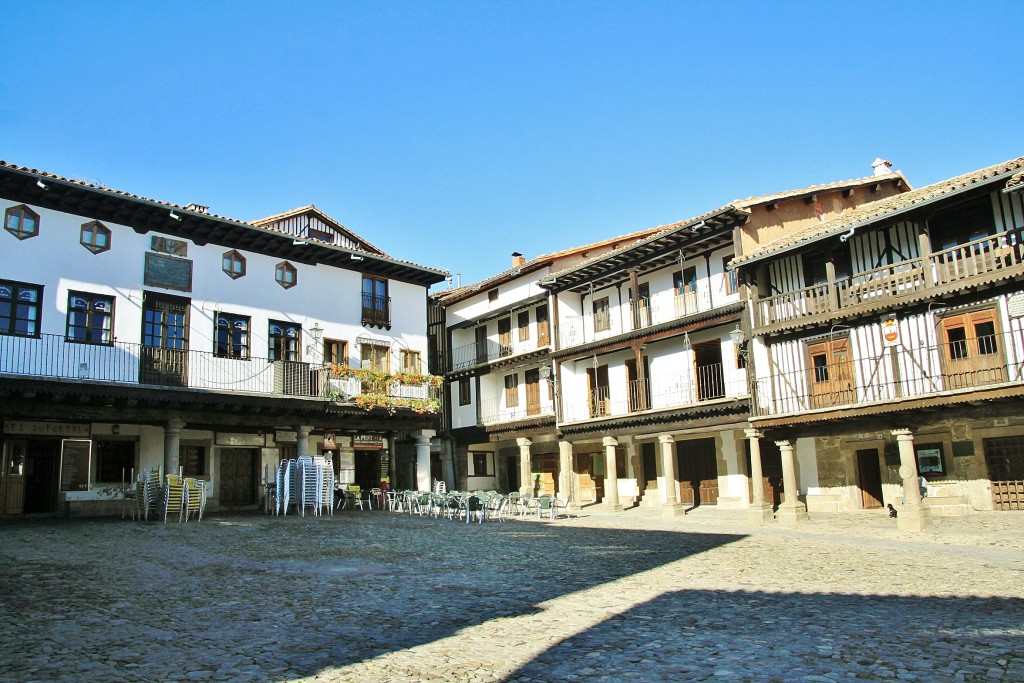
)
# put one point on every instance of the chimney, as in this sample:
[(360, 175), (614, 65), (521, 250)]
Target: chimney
[(517, 259), (198, 208), (881, 166)]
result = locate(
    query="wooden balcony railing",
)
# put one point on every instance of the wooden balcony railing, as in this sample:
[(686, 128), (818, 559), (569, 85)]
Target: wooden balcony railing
[(956, 366), (995, 256)]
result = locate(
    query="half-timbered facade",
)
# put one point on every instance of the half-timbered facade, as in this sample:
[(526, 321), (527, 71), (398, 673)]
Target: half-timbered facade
[(888, 346), (139, 334)]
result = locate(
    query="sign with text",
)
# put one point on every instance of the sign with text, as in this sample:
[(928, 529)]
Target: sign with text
[(75, 456), (30, 428), (367, 442)]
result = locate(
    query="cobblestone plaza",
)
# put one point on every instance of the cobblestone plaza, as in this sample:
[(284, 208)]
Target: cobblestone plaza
[(375, 596)]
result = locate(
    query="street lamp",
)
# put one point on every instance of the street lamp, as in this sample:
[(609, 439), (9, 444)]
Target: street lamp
[(738, 340)]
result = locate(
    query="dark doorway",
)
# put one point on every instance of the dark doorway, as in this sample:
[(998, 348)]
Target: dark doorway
[(869, 478), (367, 469), (42, 459), (238, 477), (648, 454), (698, 472), (512, 472), (771, 472)]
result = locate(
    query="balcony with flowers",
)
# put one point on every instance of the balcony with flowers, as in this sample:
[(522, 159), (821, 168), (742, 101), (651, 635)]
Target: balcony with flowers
[(378, 390)]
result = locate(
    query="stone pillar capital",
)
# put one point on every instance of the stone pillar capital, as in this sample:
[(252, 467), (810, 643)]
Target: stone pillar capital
[(524, 442), (175, 424), (903, 434), (666, 438), (302, 431), (785, 444), (753, 433), (609, 442), (422, 440)]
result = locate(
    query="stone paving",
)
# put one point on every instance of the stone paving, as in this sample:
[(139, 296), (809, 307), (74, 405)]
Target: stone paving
[(377, 596)]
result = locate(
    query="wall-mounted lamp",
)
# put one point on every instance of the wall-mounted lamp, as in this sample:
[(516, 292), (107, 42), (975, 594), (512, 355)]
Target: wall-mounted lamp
[(298, 242), (686, 341), (739, 341), (354, 257), (42, 185), (316, 332), (175, 216)]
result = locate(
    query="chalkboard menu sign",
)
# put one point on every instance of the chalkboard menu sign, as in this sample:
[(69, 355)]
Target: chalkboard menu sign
[(168, 272), (74, 464)]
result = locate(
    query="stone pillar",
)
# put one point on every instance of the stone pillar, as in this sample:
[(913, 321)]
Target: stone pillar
[(423, 482), (525, 467), (302, 441), (759, 511), (448, 464), (914, 516), (392, 461), (565, 470), (172, 445), (671, 507), (791, 511), (611, 475)]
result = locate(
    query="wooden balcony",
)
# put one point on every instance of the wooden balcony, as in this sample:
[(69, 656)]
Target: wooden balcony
[(956, 370), (980, 262)]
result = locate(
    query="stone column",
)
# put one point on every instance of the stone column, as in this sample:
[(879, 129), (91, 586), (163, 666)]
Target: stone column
[(302, 441), (565, 470), (611, 475), (914, 516), (172, 445), (671, 507), (525, 467), (392, 461), (791, 511), (448, 464), (423, 459), (759, 511)]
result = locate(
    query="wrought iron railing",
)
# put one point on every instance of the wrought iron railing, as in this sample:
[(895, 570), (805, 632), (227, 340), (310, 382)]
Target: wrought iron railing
[(494, 410), (376, 310), (477, 354)]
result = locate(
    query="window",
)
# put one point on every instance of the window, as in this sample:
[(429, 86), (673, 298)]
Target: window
[(232, 336), (505, 337), (376, 304), (410, 361), (511, 391), (375, 357), (481, 463), (543, 331), (284, 341), (336, 351), (523, 322), (322, 235), (731, 285), (115, 460), (233, 264), (961, 224), (465, 395), (831, 373), (685, 281), (90, 318), (971, 350), (492, 295), (193, 460), (602, 315), (20, 308), (95, 237), (21, 221), (285, 275)]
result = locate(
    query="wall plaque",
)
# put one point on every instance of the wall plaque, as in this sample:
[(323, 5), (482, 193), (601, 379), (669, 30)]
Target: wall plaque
[(45, 428), (168, 246), (227, 439), (168, 272), (74, 464)]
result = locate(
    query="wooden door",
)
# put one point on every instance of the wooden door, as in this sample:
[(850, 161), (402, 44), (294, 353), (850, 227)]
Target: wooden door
[(543, 327), (972, 352), (238, 477), (164, 355), (481, 344), (533, 392), (649, 459), (642, 306), (831, 374), (599, 391), (869, 478), (639, 387), (698, 472), (708, 370), (1004, 457), (42, 461), (771, 473), (590, 477), (505, 337), (12, 478)]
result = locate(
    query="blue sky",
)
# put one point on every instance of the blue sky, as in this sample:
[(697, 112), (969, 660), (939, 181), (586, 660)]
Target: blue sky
[(454, 133)]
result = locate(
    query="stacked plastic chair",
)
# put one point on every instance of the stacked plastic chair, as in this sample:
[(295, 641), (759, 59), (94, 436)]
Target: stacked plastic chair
[(284, 486), (326, 467), (174, 495), (147, 494), (310, 482), (195, 498)]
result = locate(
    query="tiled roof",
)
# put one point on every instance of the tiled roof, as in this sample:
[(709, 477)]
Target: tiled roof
[(1016, 183), (884, 209), (817, 189)]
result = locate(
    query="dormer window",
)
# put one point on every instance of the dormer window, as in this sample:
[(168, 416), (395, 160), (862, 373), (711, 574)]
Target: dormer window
[(233, 264), (21, 221), (285, 275), (95, 237)]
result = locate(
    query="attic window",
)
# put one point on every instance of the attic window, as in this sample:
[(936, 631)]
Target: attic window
[(233, 264), (492, 295), (22, 222), (95, 237), (322, 235)]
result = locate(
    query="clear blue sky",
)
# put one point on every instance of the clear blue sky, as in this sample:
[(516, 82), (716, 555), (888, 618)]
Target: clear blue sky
[(454, 133)]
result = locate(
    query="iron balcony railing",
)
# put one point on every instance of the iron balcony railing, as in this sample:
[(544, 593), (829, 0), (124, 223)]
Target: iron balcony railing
[(999, 255), (51, 356), (494, 410), (960, 365), (641, 314), (704, 383), (478, 354), (376, 310)]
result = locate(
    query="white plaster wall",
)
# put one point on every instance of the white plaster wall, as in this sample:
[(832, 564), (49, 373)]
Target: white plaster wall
[(509, 293), (806, 464)]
